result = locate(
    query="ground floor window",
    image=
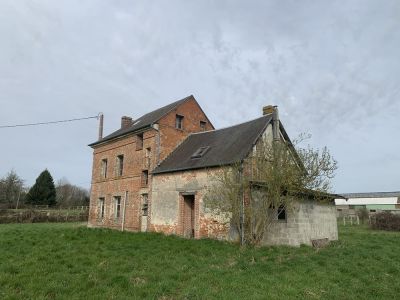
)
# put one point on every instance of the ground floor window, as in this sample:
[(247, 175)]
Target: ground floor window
[(101, 207), (117, 211), (145, 204), (281, 213)]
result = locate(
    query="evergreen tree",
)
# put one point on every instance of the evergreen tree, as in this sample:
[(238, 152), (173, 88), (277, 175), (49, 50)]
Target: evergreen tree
[(43, 192)]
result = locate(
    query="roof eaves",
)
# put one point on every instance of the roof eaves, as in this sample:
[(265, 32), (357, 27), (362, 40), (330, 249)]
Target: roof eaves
[(136, 131), (155, 172)]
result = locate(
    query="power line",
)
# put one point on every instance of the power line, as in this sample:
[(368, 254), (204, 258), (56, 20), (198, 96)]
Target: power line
[(47, 123)]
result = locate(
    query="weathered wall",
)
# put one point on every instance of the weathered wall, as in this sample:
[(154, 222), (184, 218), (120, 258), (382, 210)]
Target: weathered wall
[(306, 221), (161, 142), (170, 137), (167, 204), (113, 185)]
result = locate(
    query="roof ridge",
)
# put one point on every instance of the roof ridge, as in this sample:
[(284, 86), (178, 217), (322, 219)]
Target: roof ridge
[(144, 121), (231, 126)]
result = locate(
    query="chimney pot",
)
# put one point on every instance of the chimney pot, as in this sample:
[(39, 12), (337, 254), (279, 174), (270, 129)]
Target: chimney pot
[(126, 121)]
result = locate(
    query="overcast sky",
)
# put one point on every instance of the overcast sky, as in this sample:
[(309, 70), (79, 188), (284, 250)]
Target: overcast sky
[(332, 67)]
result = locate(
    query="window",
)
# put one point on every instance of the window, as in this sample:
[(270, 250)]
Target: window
[(145, 177), (200, 152), (120, 165), (179, 122), (281, 213), (203, 125), (104, 168), (101, 208), (117, 212), (147, 158), (139, 141), (145, 204)]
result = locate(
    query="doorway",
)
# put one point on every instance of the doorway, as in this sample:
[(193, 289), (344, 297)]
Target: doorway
[(188, 216)]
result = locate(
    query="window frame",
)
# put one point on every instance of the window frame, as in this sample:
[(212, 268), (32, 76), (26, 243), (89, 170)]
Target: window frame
[(179, 121), (120, 165), (203, 125), (281, 211), (145, 204), (139, 141), (104, 167), (145, 178), (102, 207), (117, 207)]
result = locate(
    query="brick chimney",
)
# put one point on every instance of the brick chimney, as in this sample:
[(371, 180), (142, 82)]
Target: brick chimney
[(126, 122), (269, 109), (273, 109)]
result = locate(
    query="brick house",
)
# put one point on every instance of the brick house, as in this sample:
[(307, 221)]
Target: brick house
[(122, 162), (152, 174)]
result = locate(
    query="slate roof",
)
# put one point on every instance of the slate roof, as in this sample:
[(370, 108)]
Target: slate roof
[(372, 195), (226, 146), (144, 121)]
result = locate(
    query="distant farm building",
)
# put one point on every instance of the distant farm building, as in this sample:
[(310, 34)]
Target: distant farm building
[(373, 202)]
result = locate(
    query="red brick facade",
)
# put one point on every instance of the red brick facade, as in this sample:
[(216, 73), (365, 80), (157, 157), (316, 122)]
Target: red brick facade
[(127, 211)]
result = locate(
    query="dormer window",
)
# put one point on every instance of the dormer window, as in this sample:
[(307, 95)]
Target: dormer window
[(200, 152), (179, 122)]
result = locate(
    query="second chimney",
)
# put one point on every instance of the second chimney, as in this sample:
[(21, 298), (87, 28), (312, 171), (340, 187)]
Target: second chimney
[(126, 122)]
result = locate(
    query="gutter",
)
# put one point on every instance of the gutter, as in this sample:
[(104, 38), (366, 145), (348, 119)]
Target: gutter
[(123, 213)]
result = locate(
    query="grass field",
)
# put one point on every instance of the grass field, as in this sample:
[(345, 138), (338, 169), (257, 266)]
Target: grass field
[(69, 261)]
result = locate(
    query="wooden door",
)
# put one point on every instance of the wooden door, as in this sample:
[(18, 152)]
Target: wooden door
[(188, 216)]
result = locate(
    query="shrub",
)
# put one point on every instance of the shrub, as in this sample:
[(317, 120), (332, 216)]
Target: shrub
[(386, 221), (363, 214)]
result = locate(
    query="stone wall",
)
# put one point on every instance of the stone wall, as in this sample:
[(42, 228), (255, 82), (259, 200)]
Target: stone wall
[(306, 221), (167, 204)]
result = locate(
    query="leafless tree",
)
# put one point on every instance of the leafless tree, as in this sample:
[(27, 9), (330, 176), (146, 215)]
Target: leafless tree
[(253, 193)]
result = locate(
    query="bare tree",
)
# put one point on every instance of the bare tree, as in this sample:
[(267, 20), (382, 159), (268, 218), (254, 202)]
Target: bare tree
[(252, 194), (71, 195), (11, 189)]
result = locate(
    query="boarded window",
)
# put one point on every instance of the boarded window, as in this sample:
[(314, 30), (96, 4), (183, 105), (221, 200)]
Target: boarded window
[(117, 211), (179, 122), (145, 178), (104, 168), (139, 141), (120, 165)]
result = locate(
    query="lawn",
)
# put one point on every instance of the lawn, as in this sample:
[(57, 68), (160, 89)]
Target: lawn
[(70, 261)]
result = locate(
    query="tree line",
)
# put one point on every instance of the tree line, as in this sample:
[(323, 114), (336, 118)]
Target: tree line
[(15, 194)]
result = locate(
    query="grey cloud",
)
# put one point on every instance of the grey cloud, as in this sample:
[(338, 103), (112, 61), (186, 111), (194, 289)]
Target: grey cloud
[(332, 67)]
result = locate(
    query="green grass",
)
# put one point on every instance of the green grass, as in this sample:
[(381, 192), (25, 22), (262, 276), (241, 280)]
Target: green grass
[(69, 261)]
